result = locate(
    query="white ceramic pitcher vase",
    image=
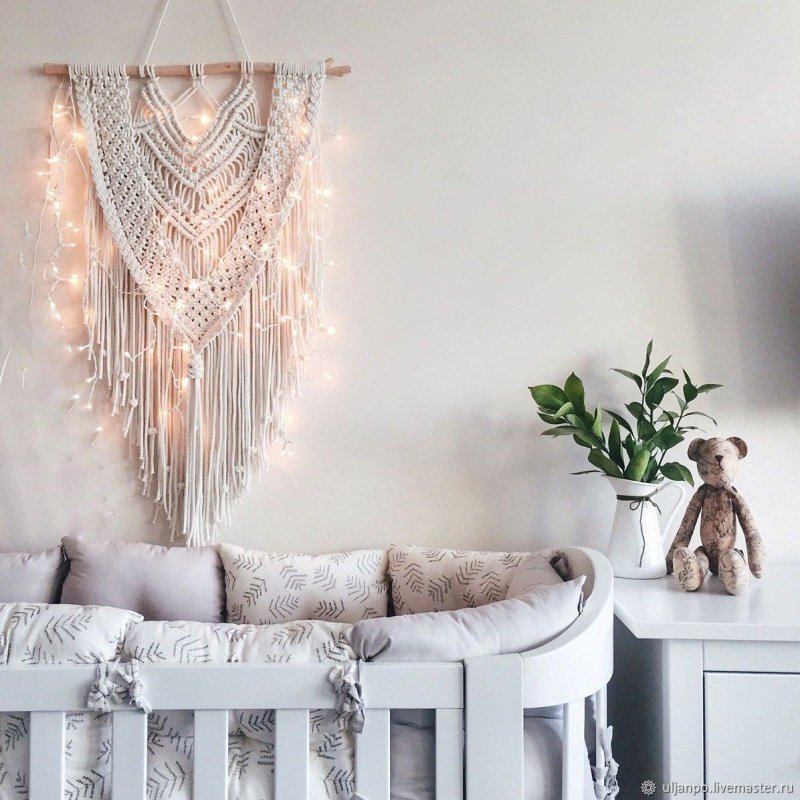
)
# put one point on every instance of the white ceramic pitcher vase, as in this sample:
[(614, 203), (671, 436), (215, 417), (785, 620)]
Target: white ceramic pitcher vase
[(636, 548)]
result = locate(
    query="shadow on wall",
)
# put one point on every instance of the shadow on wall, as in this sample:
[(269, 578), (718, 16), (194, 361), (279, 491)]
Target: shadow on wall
[(522, 483), (742, 259)]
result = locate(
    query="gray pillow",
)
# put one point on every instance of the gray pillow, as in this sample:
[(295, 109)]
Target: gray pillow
[(32, 577), (507, 626), (160, 583)]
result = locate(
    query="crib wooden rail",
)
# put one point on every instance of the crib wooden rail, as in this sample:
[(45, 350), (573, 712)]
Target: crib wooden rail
[(478, 708), (211, 691)]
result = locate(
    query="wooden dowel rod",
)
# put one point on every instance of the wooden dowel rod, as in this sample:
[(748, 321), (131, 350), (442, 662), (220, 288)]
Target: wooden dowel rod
[(221, 68)]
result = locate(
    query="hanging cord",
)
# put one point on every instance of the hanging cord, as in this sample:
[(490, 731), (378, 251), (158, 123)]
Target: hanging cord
[(155, 32), (236, 28), (238, 31), (637, 504)]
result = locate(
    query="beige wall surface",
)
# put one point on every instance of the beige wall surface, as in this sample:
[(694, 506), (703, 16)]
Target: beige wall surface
[(522, 189)]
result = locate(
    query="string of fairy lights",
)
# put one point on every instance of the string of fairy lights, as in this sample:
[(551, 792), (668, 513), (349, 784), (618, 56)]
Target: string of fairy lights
[(67, 150)]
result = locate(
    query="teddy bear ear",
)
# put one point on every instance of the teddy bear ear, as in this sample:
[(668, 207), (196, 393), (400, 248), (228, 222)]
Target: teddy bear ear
[(740, 445), (694, 449)]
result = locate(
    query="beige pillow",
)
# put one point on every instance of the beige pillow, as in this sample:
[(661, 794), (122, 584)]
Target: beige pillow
[(32, 577), (162, 583), (432, 579), (507, 626), (268, 588)]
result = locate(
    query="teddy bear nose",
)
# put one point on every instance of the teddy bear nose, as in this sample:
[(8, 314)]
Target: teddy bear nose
[(719, 459)]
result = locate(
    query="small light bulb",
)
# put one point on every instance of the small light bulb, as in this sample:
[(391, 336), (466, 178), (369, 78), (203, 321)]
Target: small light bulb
[(99, 428), (185, 382), (331, 330), (204, 118), (328, 376)]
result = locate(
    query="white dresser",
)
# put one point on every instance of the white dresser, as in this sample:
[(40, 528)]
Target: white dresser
[(706, 687)]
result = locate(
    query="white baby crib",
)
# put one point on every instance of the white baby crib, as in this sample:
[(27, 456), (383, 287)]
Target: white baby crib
[(478, 707)]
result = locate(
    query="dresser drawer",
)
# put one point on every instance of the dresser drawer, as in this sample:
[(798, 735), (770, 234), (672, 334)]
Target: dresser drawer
[(752, 734)]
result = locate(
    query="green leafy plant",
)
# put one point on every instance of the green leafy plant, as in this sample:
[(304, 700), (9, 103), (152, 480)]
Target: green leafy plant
[(632, 445)]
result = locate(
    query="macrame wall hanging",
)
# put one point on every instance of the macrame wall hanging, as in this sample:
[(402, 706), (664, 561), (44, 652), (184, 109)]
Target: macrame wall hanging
[(204, 264)]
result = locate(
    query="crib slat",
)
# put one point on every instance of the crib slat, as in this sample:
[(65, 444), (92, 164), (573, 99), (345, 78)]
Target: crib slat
[(600, 722), (210, 755), (129, 756), (47, 755), (449, 754), (372, 756), (572, 765), (494, 745), (291, 754)]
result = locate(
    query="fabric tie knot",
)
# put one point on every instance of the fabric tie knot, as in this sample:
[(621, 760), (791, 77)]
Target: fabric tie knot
[(136, 695), (349, 698), (104, 690)]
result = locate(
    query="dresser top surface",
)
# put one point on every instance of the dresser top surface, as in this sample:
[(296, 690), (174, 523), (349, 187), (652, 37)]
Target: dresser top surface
[(660, 609)]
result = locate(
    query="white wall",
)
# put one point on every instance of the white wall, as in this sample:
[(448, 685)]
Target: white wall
[(523, 188)]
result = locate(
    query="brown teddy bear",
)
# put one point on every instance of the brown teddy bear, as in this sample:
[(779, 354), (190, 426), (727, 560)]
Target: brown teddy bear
[(718, 504)]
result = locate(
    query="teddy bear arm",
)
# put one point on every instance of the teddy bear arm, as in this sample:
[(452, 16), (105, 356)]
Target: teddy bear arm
[(688, 523), (756, 554)]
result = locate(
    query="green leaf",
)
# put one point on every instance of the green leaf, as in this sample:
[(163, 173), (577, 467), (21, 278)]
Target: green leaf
[(628, 374), (638, 464), (689, 392), (666, 438), (564, 410), (647, 355), (615, 445), (620, 419), (548, 397), (677, 472), (656, 393), (646, 430), (582, 444), (700, 414), (587, 437), (651, 472), (549, 419), (597, 425), (636, 410), (562, 430), (603, 462), (707, 387), (587, 472), (668, 416), (658, 370), (630, 445), (575, 392)]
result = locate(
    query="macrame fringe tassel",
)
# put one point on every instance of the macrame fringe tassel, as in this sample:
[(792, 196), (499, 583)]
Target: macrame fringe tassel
[(202, 423)]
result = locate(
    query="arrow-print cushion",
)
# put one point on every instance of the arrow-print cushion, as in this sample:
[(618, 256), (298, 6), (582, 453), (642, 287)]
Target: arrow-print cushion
[(35, 634), (268, 588), (433, 579), (251, 742)]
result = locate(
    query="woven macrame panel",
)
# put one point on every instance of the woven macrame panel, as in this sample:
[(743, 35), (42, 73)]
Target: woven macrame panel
[(203, 285)]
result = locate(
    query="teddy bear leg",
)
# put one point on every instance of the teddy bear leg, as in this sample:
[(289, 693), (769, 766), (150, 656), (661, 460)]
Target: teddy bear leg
[(733, 571), (688, 568)]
